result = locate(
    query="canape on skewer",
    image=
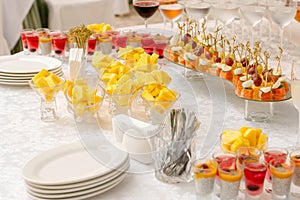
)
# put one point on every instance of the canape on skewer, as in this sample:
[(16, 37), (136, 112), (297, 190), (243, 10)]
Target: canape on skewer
[(278, 90), (247, 91), (191, 60), (237, 73), (174, 52), (226, 72)]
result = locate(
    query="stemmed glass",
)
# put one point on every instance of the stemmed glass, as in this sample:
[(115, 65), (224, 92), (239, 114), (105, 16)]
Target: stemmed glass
[(197, 10), (171, 12), (295, 85), (253, 14), (145, 9), (225, 11), (282, 13)]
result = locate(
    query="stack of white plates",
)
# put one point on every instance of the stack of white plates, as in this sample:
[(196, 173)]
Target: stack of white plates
[(19, 69), (71, 172)]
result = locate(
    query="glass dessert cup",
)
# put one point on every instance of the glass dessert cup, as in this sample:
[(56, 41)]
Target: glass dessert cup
[(32, 42), (24, 39), (86, 108), (295, 157), (254, 175), (282, 170), (48, 100), (271, 153), (230, 178), (229, 161), (204, 172)]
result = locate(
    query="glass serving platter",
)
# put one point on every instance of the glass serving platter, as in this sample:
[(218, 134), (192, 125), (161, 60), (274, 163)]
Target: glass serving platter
[(211, 70)]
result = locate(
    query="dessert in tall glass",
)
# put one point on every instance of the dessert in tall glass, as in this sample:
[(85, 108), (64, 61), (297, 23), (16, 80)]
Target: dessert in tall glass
[(254, 174), (282, 171), (295, 157), (204, 176), (32, 41), (230, 178), (271, 153), (24, 40)]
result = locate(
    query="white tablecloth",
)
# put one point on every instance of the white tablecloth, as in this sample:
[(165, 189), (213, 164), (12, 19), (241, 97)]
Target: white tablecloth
[(24, 135), (68, 13), (13, 14)]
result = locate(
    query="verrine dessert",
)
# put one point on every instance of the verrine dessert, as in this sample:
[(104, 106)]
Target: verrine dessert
[(254, 175), (247, 154), (229, 161), (32, 41), (282, 171), (230, 178), (204, 176), (295, 157), (24, 39), (45, 41), (271, 153), (59, 41)]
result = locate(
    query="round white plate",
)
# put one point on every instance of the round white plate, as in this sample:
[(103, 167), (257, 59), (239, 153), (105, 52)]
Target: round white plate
[(72, 163), (4, 81), (78, 186), (27, 64), (14, 84), (79, 195), (28, 74)]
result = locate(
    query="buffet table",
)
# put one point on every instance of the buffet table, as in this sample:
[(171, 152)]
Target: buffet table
[(24, 135)]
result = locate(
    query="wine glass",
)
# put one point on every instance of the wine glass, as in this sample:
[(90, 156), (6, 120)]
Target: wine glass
[(145, 9), (252, 14), (171, 12), (282, 13), (295, 86), (225, 11), (197, 10)]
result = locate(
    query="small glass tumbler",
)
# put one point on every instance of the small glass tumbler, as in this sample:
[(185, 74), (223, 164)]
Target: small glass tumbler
[(148, 44), (230, 179), (204, 171), (246, 154), (92, 42), (32, 42), (271, 153), (282, 171), (160, 46), (295, 157), (59, 41), (223, 157), (45, 41), (254, 174), (24, 39), (105, 44)]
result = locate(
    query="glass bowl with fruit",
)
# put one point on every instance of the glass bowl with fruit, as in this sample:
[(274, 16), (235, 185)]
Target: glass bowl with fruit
[(83, 100), (231, 140)]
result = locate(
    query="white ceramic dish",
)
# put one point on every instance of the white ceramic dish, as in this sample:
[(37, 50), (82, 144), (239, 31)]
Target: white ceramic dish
[(79, 195), (27, 64), (59, 69), (57, 166), (13, 84), (136, 136), (4, 81), (78, 186)]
